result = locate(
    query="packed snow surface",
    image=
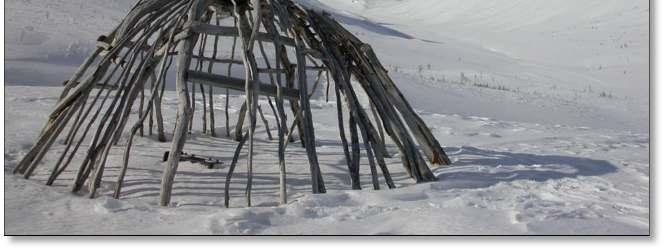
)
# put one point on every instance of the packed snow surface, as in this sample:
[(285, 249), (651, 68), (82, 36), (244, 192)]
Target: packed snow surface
[(542, 106)]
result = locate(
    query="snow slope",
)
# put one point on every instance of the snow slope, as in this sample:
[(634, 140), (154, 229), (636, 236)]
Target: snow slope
[(542, 105), (54, 36), (564, 61)]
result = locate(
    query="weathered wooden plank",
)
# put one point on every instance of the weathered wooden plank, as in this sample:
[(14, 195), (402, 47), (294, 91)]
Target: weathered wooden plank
[(218, 60), (226, 31), (238, 84)]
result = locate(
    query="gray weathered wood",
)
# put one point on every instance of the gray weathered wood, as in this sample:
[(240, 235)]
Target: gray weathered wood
[(238, 84), (98, 99), (184, 114)]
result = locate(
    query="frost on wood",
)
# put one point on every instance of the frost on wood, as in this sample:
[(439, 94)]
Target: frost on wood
[(278, 40)]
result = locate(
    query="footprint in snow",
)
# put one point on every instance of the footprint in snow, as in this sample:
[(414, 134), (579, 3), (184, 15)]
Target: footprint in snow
[(416, 196), (109, 205), (239, 221)]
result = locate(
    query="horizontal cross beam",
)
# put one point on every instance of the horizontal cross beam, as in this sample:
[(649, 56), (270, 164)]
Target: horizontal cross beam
[(219, 60), (226, 31), (238, 84), (260, 70)]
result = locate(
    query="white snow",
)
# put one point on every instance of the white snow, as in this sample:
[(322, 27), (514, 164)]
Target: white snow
[(542, 105)]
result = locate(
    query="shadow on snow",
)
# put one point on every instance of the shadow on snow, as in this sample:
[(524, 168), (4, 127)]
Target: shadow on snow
[(480, 168)]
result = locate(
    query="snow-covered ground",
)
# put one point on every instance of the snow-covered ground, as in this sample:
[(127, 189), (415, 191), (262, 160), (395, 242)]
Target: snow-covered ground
[(541, 104)]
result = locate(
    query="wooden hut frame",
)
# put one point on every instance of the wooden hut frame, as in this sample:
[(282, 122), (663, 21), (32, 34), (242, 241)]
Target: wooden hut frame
[(98, 98)]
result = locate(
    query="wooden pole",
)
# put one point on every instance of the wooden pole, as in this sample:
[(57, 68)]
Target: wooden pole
[(184, 59)]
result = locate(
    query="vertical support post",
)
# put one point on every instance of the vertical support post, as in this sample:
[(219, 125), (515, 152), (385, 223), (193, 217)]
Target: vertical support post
[(184, 110), (309, 141), (247, 36)]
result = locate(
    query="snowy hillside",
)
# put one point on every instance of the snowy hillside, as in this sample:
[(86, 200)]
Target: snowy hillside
[(54, 36), (573, 62), (542, 106)]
